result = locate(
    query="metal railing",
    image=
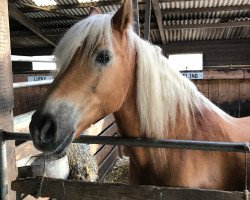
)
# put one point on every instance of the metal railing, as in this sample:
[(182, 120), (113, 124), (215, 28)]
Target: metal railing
[(139, 142)]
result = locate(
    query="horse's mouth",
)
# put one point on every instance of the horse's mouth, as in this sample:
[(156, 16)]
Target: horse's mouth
[(58, 147), (62, 147)]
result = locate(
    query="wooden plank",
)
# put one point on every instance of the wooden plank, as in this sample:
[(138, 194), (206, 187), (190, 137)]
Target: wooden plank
[(29, 23), (111, 131), (68, 189), (224, 74), (103, 153), (234, 97), (27, 99), (6, 104), (234, 90), (107, 164), (245, 98), (223, 95), (136, 16), (245, 90), (158, 16), (223, 91), (147, 20), (207, 25), (205, 9), (100, 126), (214, 91), (246, 74)]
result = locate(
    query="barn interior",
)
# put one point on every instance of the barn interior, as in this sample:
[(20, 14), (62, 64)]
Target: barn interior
[(219, 30)]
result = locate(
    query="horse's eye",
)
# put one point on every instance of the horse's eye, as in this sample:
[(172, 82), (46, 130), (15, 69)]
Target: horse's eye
[(103, 57)]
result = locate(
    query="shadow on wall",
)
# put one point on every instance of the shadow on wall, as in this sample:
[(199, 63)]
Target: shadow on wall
[(236, 108)]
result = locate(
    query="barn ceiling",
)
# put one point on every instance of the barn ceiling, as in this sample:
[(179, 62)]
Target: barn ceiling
[(38, 26)]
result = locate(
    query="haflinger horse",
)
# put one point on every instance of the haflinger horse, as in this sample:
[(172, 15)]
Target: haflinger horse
[(105, 67)]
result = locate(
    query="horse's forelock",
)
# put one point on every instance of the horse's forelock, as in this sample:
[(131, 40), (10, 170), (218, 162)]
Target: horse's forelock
[(90, 32)]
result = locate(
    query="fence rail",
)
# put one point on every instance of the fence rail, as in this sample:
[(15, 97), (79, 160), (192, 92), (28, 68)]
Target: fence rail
[(145, 142)]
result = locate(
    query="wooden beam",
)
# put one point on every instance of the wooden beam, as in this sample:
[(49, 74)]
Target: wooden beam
[(136, 16), (208, 25), (147, 19), (68, 189), (205, 9), (29, 23), (158, 16), (37, 8), (33, 8), (8, 165)]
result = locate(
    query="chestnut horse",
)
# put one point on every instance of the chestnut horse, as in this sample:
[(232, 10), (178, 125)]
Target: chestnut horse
[(106, 68)]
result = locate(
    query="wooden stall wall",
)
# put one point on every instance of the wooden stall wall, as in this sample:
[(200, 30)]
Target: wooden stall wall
[(229, 89), (28, 98)]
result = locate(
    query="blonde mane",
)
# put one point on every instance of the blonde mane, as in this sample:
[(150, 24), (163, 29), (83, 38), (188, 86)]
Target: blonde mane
[(162, 92)]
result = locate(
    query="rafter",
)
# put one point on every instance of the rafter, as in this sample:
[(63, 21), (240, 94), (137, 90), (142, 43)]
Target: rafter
[(159, 20), (208, 25), (205, 9), (30, 24), (69, 6)]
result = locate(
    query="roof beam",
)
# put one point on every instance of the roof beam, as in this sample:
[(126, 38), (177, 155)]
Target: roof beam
[(29, 23), (69, 6), (206, 9), (209, 25), (159, 20), (136, 16), (147, 20)]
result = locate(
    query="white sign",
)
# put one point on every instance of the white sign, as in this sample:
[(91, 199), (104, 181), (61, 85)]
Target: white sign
[(39, 78), (193, 75), (186, 62)]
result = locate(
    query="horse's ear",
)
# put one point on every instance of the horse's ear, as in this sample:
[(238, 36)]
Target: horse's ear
[(94, 11), (123, 17)]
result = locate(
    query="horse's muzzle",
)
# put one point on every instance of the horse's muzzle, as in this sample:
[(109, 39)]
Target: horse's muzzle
[(47, 136)]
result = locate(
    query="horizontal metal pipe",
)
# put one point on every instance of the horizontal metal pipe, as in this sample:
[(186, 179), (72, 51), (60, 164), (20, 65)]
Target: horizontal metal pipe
[(145, 142), (31, 83)]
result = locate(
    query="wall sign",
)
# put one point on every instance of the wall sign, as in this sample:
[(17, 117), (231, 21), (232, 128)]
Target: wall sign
[(39, 78), (193, 75)]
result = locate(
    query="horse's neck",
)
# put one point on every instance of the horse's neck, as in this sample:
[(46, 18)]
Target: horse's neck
[(127, 117), (205, 126)]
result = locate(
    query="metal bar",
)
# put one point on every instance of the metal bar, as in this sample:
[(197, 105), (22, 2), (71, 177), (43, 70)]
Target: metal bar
[(31, 84), (3, 188), (145, 142)]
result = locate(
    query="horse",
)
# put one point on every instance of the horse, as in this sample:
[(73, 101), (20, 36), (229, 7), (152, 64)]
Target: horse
[(105, 67)]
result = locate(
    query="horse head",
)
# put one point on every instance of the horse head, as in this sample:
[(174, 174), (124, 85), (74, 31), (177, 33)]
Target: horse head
[(95, 76)]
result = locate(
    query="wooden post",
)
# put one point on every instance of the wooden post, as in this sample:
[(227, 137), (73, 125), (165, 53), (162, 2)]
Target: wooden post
[(136, 17), (6, 96), (147, 19)]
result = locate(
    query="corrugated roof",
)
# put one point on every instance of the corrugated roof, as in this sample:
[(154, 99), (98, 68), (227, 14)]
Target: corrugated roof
[(174, 13)]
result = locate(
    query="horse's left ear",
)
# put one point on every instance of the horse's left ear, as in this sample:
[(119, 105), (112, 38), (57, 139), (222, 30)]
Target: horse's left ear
[(123, 17)]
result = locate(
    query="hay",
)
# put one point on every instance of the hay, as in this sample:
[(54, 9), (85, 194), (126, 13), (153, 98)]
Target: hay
[(119, 173), (83, 165)]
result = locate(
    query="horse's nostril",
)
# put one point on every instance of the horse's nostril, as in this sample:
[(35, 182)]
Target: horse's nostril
[(48, 131)]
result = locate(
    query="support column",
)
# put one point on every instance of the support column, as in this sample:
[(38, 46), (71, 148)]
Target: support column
[(6, 99)]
